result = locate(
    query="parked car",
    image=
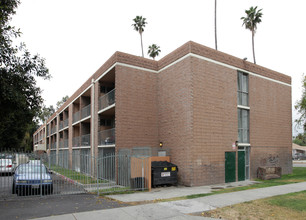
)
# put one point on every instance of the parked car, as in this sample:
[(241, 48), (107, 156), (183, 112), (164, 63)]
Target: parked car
[(299, 156), (30, 178), (6, 166)]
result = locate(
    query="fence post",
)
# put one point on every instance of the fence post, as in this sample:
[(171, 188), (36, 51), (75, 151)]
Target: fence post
[(40, 176), (97, 161), (142, 175)]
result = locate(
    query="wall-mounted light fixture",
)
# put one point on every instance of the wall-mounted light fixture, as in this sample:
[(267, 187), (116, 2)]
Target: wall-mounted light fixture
[(160, 144)]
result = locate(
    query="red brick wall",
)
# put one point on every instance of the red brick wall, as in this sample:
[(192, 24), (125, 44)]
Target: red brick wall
[(136, 108), (270, 124), (215, 120), (175, 115)]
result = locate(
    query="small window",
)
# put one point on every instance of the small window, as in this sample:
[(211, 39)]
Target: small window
[(243, 126), (243, 89)]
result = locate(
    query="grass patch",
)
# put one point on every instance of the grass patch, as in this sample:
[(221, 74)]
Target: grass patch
[(294, 201), (298, 175), (76, 176), (289, 206)]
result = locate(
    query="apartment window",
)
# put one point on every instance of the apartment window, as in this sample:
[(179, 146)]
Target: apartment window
[(243, 126), (243, 89)]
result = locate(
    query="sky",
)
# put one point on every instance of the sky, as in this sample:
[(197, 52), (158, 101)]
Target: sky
[(76, 37)]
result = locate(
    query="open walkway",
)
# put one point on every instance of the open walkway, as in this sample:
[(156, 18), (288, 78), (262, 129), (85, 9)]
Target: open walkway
[(180, 209)]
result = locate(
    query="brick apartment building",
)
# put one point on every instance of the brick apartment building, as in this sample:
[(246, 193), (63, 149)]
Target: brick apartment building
[(221, 117)]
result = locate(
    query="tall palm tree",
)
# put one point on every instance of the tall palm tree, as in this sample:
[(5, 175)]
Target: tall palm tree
[(216, 25), (139, 24), (154, 51), (250, 22)]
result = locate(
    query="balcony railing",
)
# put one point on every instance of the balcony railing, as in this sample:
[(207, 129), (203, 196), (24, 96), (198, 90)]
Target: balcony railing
[(53, 130), (107, 137), (76, 141), (53, 145), (76, 117), (63, 124), (81, 141), (63, 143), (107, 100), (85, 111)]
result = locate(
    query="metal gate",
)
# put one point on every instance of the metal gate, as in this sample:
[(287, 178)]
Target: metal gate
[(24, 174)]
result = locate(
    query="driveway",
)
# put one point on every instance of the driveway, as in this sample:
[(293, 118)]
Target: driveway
[(36, 207)]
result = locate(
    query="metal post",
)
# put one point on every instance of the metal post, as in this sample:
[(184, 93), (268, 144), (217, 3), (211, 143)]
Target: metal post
[(97, 161), (142, 175), (40, 177)]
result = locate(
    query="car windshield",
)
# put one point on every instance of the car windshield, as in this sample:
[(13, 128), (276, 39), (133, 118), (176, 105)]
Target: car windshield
[(30, 169)]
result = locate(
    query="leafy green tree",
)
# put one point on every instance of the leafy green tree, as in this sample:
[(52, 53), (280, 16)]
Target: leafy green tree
[(46, 112), (61, 102), (154, 51), (252, 19), (300, 106), (20, 98), (139, 24), (300, 139)]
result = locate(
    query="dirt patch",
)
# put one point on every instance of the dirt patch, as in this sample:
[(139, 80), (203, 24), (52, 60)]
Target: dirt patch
[(255, 210)]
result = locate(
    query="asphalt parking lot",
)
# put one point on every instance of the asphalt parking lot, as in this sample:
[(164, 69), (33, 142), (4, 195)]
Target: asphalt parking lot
[(35, 207), (60, 187)]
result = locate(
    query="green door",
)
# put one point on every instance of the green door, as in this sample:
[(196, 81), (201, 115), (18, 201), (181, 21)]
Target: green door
[(241, 165), (230, 167)]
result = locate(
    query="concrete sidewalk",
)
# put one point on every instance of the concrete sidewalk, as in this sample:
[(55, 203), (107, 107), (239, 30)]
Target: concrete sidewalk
[(175, 191), (181, 209)]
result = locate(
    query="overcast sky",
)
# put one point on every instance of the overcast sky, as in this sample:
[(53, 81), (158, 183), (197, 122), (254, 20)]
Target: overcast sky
[(76, 37)]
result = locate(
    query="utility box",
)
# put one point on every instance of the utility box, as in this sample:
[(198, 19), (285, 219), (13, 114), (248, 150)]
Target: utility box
[(163, 173), (138, 183)]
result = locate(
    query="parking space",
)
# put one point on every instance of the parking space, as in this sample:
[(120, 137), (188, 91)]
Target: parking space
[(37, 207), (60, 187)]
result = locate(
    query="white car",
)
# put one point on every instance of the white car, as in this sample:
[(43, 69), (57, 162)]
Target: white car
[(6, 166)]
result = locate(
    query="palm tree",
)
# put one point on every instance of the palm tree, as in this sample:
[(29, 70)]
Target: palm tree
[(154, 51), (139, 24), (216, 24), (250, 22)]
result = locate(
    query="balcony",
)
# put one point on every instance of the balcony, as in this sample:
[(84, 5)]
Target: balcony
[(63, 124), (76, 117), (85, 112), (107, 100), (107, 137), (53, 145), (53, 130), (63, 143), (81, 141)]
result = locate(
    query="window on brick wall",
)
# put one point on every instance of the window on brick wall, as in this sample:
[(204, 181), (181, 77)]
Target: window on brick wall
[(243, 89), (243, 126), (243, 109)]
